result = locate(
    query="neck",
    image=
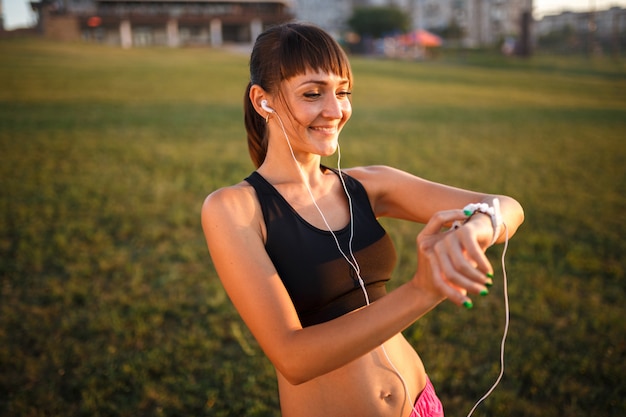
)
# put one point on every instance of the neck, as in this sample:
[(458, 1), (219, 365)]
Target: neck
[(283, 164), (284, 169)]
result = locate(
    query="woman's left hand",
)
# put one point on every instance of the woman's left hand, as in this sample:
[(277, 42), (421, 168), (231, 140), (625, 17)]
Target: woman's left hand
[(455, 258)]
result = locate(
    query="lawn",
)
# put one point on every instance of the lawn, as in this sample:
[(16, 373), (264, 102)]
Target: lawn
[(109, 304)]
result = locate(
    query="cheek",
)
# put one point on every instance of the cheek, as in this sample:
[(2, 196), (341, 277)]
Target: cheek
[(301, 118), (347, 111)]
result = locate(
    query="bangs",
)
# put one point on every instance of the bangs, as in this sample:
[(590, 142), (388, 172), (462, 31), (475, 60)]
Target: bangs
[(309, 48)]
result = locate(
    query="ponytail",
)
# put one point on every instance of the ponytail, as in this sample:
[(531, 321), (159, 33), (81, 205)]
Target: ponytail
[(256, 130)]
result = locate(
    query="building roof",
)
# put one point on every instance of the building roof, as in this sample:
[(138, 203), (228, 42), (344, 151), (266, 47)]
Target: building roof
[(285, 2)]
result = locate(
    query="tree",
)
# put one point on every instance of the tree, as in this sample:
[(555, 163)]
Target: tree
[(376, 22), (453, 31), (562, 40)]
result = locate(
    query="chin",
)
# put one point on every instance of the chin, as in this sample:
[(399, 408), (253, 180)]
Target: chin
[(329, 150)]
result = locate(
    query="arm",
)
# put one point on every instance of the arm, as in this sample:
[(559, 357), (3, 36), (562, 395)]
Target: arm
[(397, 194), (454, 261), (233, 228)]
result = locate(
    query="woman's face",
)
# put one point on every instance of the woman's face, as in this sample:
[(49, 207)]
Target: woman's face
[(318, 106)]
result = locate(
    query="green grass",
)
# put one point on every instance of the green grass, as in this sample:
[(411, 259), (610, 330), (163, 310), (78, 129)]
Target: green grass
[(109, 305)]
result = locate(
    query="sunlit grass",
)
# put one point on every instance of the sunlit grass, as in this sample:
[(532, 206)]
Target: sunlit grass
[(109, 304)]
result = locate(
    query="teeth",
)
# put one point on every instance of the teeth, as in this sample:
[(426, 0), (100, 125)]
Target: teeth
[(325, 129)]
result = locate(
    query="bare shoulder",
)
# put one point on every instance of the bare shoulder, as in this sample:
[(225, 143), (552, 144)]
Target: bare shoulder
[(368, 170), (379, 178), (373, 172), (235, 205), (399, 194)]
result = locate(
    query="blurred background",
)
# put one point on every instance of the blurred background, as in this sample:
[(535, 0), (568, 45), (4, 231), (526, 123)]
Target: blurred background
[(117, 118), (390, 27)]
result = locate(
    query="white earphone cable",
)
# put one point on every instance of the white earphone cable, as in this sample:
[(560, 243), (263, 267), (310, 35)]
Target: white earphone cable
[(506, 322), (355, 266), (352, 262)]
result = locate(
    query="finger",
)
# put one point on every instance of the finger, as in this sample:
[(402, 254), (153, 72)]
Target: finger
[(457, 268), (441, 219), (475, 254), (454, 293)]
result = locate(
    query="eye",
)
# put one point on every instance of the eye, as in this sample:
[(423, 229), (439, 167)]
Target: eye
[(312, 95), (344, 94)]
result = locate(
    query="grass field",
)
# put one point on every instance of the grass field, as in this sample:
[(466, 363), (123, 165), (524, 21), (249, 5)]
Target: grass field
[(109, 305)]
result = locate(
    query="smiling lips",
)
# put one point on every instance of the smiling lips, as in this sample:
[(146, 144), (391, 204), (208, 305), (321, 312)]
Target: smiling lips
[(329, 130)]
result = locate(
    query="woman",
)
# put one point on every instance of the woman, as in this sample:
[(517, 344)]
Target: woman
[(301, 255)]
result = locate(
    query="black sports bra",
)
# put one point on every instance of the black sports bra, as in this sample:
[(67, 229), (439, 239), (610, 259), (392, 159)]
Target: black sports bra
[(321, 283)]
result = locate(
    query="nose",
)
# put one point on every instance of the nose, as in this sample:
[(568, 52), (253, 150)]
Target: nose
[(334, 107)]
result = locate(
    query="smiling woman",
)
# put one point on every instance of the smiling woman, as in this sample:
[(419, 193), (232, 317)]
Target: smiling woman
[(301, 254), (321, 107)]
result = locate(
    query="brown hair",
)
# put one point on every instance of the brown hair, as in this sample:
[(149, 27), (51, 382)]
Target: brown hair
[(280, 53)]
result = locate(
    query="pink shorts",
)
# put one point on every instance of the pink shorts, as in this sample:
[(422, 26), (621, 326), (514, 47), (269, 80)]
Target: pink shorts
[(428, 404)]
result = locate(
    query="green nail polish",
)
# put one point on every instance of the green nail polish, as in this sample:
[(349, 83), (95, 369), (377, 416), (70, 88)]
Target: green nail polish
[(468, 304), (484, 292), (489, 283), (489, 275)]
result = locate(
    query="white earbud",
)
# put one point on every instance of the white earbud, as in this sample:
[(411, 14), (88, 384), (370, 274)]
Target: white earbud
[(265, 107)]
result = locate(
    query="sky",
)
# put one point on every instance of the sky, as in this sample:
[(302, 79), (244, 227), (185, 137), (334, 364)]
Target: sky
[(17, 13)]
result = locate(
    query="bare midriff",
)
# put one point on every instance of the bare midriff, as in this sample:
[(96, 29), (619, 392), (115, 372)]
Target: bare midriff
[(366, 387)]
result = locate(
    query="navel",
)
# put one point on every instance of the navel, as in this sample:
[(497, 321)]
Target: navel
[(387, 396)]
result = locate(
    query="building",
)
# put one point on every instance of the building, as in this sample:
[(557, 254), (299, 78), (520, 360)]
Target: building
[(604, 23), (479, 22), (594, 32), (331, 15), (160, 22), (216, 22), (489, 22)]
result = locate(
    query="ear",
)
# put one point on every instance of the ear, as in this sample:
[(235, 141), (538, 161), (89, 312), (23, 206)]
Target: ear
[(257, 95)]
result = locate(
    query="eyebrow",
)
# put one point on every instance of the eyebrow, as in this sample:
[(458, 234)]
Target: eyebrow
[(322, 82)]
